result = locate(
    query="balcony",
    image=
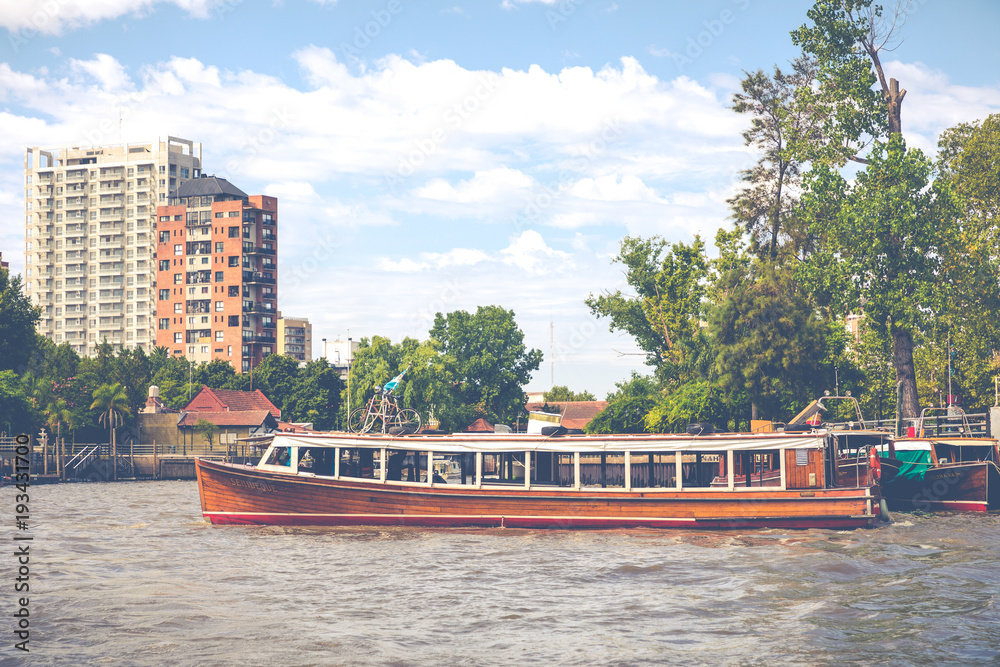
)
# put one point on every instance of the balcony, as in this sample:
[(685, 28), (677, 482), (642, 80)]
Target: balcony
[(251, 249), (258, 309), (259, 338), (252, 277)]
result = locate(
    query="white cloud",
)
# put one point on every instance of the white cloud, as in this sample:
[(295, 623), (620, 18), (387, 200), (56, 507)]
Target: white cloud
[(108, 72), (491, 185), (52, 17), (531, 254)]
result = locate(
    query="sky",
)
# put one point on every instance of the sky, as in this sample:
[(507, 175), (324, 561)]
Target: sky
[(439, 156)]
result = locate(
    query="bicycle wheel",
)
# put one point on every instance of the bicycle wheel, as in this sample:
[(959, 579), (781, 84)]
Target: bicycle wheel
[(357, 420), (408, 419)]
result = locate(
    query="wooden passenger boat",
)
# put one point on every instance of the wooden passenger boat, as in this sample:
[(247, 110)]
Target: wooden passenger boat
[(941, 473), (572, 481), (942, 466)]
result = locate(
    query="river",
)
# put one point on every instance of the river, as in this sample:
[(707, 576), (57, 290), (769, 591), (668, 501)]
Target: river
[(130, 574)]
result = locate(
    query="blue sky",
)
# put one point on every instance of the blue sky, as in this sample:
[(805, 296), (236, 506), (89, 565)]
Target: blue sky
[(434, 156)]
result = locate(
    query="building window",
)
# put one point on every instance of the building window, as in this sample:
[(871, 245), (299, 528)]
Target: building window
[(218, 306), (178, 337), (164, 322), (178, 278), (164, 265), (179, 249), (234, 232), (219, 246), (219, 214), (218, 334), (164, 295), (229, 350), (218, 277), (178, 307), (234, 260), (165, 237), (234, 320), (234, 214), (234, 290)]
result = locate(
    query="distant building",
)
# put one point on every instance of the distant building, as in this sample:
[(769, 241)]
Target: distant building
[(90, 244), (3, 264), (295, 337), (217, 270), (853, 325), (338, 353)]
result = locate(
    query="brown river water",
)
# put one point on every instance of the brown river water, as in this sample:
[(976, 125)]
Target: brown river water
[(130, 574)]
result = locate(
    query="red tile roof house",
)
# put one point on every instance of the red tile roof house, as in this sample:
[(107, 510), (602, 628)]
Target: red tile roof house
[(230, 400), (238, 414), (575, 414)]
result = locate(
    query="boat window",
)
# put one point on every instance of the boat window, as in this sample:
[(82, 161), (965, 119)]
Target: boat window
[(306, 461), (280, 456), (754, 468), (359, 462), (405, 466), (322, 464), (503, 468), (699, 469), (605, 470)]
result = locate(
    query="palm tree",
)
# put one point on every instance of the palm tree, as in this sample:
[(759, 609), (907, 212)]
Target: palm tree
[(57, 413), (112, 402)]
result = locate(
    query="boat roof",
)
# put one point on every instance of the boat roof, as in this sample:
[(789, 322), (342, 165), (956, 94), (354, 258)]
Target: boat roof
[(507, 442)]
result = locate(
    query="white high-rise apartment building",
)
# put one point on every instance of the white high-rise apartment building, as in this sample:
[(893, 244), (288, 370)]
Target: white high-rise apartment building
[(90, 239)]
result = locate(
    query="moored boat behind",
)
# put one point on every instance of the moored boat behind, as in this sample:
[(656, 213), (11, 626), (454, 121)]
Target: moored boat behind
[(517, 480)]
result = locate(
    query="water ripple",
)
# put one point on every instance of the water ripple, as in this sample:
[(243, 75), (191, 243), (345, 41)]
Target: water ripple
[(129, 574)]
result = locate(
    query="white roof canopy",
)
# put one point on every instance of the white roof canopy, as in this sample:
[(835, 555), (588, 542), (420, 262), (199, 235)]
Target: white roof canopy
[(509, 442)]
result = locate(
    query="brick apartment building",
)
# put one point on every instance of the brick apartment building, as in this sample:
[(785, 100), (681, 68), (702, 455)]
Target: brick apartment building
[(217, 272)]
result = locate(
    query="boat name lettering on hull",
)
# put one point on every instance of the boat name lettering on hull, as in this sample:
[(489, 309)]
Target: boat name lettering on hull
[(251, 484)]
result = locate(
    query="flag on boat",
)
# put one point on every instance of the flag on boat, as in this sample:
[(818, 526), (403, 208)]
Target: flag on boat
[(391, 384)]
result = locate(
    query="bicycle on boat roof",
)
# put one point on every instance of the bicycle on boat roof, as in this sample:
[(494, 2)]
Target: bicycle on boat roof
[(382, 412)]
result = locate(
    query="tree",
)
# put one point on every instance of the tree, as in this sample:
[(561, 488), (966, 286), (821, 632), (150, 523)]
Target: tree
[(15, 405), (57, 414), (771, 343), (627, 406), (111, 401), (217, 374), (316, 397), (17, 324), (765, 205), (207, 430), (559, 394), (488, 359), (846, 38), (664, 313), (276, 377), (884, 244)]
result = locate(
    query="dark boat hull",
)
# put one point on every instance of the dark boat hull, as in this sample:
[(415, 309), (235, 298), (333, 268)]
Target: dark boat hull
[(236, 494), (971, 487)]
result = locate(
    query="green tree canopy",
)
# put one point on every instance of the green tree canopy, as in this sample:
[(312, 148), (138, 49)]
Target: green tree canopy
[(664, 312), (488, 360), (560, 393), (17, 324), (884, 244)]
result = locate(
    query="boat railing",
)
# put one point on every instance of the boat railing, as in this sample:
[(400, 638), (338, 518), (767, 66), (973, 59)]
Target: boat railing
[(83, 457)]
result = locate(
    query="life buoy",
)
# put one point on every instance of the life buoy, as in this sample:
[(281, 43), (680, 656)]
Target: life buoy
[(875, 465)]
